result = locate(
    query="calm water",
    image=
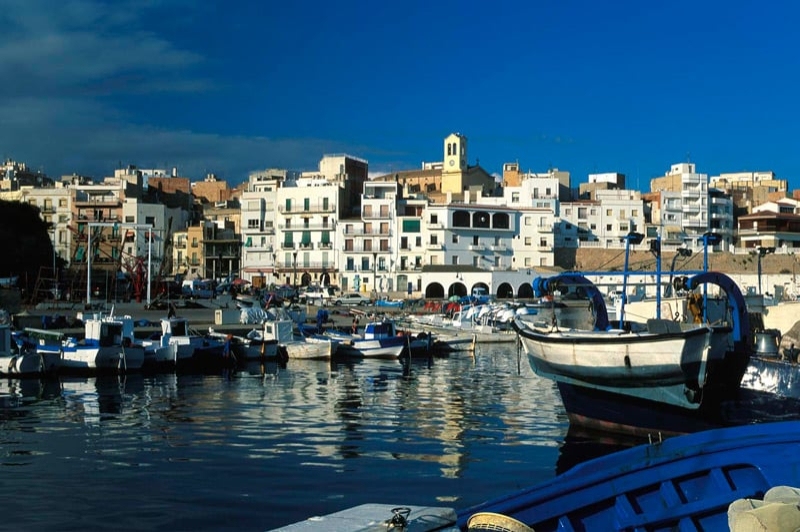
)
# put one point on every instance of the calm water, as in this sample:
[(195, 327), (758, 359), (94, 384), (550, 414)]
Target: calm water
[(253, 452)]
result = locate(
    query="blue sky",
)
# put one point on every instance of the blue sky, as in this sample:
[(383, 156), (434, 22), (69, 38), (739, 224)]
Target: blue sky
[(229, 87)]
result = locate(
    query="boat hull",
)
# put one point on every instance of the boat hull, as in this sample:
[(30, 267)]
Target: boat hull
[(665, 367), (684, 483), (309, 349)]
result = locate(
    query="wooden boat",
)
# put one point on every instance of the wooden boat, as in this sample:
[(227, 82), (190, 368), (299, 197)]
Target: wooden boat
[(253, 346), (309, 348), (681, 483), (684, 483), (639, 378)]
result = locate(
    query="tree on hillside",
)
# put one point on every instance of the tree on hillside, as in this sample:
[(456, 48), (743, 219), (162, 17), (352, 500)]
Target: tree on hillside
[(25, 244)]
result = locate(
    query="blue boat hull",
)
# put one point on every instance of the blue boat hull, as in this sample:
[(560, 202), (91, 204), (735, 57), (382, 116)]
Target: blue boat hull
[(682, 483)]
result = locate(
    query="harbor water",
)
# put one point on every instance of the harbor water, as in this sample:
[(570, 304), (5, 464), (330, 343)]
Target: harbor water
[(259, 449)]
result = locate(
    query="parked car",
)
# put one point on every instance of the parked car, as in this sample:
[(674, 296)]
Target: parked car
[(352, 298)]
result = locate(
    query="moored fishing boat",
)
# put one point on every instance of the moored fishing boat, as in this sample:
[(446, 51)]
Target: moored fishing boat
[(640, 378), (108, 345)]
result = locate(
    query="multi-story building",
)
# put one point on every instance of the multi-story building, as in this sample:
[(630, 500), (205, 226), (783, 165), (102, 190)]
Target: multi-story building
[(369, 252), (306, 223), (693, 188), (605, 221), (258, 221)]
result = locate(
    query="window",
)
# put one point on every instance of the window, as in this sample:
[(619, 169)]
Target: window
[(608, 227), (403, 242), (567, 212), (367, 245), (528, 241), (476, 240), (150, 220), (306, 204), (348, 244), (418, 241), (609, 212), (434, 239), (455, 260), (325, 221), (455, 239), (622, 213), (434, 218), (62, 202), (325, 202), (635, 213), (515, 197), (581, 212), (527, 262), (129, 219), (384, 244), (547, 191), (253, 224), (475, 260), (528, 220)]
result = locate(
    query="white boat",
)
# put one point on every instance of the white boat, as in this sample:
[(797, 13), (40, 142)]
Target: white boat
[(663, 363), (309, 348), (179, 345), (253, 346), (108, 345), (380, 340), (281, 330), (636, 377), (17, 358)]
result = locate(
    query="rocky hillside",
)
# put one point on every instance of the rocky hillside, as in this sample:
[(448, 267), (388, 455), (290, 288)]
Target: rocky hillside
[(586, 259)]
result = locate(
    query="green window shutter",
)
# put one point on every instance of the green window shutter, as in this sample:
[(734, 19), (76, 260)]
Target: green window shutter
[(411, 226), (326, 237), (287, 238), (306, 237)]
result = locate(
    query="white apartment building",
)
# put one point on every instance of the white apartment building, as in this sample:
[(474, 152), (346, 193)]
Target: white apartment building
[(370, 244), (258, 221), (305, 230), (605, 221), (693, 188)]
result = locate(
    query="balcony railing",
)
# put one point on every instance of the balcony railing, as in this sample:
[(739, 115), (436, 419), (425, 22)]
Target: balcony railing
[(477, 247), (301, 209), (498, 247)]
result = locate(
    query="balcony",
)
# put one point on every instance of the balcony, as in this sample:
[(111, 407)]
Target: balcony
[(287, 245), (325, 245), (433, 247), (545, 228), (372, 215), (477, 247), (498, 247), (313, 208), (306, 245)]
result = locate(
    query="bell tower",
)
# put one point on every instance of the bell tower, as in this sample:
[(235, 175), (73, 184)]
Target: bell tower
[(455, 153)]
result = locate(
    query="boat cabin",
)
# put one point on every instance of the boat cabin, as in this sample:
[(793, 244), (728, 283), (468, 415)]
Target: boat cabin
[(109, 330), (376, 330)]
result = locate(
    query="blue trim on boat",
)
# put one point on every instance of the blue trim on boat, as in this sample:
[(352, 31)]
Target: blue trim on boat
[(683, 483)]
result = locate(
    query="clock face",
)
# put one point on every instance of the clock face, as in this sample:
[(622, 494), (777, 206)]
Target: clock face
[(452, 162)]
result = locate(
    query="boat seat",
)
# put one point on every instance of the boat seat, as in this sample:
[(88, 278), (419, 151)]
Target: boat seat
[(662, 326)]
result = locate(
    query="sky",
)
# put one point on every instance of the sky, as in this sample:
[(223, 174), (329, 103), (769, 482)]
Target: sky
[(231, 87)]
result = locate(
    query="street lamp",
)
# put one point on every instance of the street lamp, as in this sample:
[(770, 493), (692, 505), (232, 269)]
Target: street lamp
[(760, 252)]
